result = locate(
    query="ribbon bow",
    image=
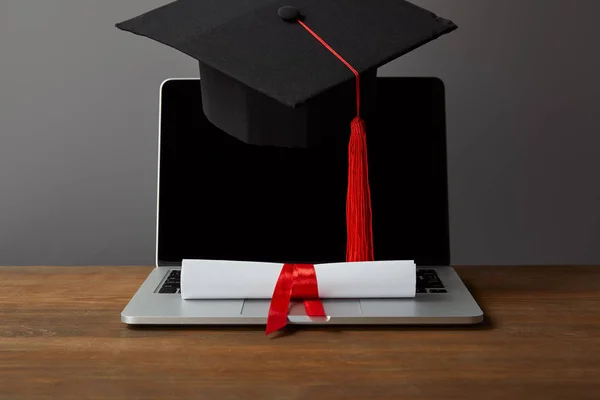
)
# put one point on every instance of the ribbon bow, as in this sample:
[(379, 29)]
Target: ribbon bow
[(298, 281)]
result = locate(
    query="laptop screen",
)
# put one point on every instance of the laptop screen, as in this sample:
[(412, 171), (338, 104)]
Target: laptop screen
[(220, 198)]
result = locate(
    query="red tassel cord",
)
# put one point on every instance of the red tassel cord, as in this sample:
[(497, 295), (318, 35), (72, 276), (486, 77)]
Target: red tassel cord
[(359, 221)]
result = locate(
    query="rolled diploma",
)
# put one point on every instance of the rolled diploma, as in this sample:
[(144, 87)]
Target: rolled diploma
[(216, 279)]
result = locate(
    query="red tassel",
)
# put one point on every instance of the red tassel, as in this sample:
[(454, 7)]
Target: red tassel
[(359, 223)]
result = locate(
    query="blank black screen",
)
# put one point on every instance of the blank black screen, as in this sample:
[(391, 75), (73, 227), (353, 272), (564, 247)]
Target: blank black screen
[(223, 199)]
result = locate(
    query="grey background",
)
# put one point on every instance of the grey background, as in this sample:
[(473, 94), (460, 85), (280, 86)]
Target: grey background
[(78, 130)]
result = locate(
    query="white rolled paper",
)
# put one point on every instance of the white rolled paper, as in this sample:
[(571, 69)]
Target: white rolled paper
[(216, 279)]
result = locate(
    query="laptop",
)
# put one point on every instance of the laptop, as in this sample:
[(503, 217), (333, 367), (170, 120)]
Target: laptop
[(219, 198)]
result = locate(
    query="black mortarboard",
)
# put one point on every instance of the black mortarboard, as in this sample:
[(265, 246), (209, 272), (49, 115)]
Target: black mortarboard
[(267, 81), (284, 73)]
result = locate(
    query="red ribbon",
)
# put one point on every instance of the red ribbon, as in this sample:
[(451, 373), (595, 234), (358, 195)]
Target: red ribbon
[(298, 281)]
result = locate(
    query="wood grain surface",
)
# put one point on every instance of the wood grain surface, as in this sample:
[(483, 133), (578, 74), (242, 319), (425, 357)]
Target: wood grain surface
[(61, 337)]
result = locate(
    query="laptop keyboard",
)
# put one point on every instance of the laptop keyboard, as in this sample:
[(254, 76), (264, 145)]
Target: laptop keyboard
[(427, 281), (173, 283)]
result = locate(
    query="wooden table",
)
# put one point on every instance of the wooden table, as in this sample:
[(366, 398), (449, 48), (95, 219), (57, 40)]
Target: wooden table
[(61, 337)]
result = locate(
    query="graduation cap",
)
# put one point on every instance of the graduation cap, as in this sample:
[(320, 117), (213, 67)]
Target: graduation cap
[(282, 73)]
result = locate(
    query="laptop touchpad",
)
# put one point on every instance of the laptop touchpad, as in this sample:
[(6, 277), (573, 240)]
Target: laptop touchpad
[(210, 308), (333, 307)]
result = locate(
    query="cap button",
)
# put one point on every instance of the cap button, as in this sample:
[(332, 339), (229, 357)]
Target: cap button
[(288, 13)]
